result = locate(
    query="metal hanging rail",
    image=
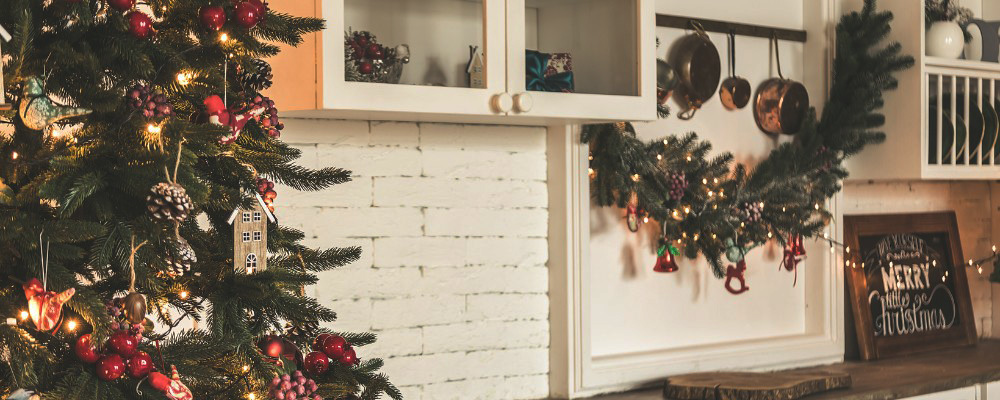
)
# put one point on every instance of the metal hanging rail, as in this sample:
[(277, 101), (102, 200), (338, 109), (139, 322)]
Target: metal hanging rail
[(682, 22)]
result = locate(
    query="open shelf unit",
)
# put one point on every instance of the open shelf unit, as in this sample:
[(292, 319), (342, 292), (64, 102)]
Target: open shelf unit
[(924, 138)]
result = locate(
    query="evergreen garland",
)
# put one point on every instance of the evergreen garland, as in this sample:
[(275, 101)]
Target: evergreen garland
[(717, 212), (85, 189)]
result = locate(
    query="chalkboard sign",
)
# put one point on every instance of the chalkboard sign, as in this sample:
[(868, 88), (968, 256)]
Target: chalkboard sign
[(906, 284)]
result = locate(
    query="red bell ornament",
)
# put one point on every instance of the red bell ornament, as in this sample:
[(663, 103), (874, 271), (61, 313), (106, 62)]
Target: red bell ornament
[(121, 5), (123, 344), (317, 363), (140, 25), (335, 346), (110, 367), (140, 365), (85, 350), (212, 17), (248, 14), (665, 261)]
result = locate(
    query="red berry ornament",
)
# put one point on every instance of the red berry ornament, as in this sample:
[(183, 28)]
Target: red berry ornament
[(85, 350), (121, 5), (349, 357), (212, 17), (365, 68), (140, 25), (110, 367), (140, 365), (317, 345), (248, 14), (334, 346), (317, 363), (123, 344)]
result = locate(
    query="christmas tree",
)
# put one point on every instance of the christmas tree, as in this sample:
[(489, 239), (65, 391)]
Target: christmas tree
[(140, 252)]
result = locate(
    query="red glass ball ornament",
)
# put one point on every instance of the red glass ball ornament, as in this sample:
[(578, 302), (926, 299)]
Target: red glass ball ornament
[(248, 14), (110, 367), (123, 344), (334, 346), (350, 357), (140, 25), (317, 363), (272, 346), (85, 350), (365, 68), (212, 17), (363, 41), (121, 5), (317, 345), (140, 365)]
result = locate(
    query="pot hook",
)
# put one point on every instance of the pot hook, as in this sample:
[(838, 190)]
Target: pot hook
[(777, 55)]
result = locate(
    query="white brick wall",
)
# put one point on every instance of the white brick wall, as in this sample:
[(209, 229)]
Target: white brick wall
[(452, 220), (973, 207)]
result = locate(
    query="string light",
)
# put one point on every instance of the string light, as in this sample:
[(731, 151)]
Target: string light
[(645, 220), (591, 172), (24, 315), (223, 37), (980, 269), (713, 236), (687, 210), (769, 234), (711, 193), (252, 396), (847, 263), (817, 206), (13, 155), (783, 209), (183, 295), (659, 156), (675, 214), (684, 235), (715, 181), (696, 237), (716, 206), (704, 181), (743, 225), (71, 325), (664, 141), (847, 249), (635, 177), (184, 78), (689, 158), (246, 368), (934, 263), (154, 129)]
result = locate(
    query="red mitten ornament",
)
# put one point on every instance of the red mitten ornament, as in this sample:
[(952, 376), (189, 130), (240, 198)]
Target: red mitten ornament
[(171, 387), (45, 307)]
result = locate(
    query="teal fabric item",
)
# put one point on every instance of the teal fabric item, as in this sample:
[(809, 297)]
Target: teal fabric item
[(535, 80)]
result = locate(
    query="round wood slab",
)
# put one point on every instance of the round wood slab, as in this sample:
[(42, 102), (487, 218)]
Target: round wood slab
[(753, 385)]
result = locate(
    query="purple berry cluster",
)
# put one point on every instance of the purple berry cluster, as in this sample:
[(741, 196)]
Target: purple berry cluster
[(152, 104), (750, 212), (678, 184), (267, 116), (294, 387)]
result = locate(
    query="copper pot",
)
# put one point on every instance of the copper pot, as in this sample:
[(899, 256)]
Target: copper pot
[(699, 68), (781, 104), (735, 91)]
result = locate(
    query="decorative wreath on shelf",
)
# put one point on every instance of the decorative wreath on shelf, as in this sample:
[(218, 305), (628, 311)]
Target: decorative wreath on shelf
[(709, 206)]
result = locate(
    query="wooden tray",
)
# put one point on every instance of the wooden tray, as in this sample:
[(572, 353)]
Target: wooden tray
[(753, 385)]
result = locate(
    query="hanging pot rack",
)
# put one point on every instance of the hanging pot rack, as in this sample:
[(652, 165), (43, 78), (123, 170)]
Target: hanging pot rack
[(683, 22)]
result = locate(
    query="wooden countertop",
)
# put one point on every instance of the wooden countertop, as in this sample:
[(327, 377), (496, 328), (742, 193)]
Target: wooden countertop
[(896, 378)]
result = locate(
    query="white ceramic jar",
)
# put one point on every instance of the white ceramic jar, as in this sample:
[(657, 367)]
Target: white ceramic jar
[(945, 39)]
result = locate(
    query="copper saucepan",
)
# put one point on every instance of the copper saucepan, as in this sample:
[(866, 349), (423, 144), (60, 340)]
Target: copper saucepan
[(735, 91), (781, 104), (699, 68)]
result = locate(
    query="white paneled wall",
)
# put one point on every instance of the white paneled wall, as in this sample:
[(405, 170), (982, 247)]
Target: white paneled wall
[(974, 206), (452, 221)]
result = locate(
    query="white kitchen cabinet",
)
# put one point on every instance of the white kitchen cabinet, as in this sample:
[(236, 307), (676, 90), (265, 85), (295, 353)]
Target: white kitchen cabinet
[(612, 45), (923, 140), (966, 393)]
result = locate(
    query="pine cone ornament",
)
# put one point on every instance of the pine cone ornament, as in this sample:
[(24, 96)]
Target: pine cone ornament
[(180, 258), (152, 103), (168, 202), (678, 184), (301, 331), (257, 76), (750, 212)]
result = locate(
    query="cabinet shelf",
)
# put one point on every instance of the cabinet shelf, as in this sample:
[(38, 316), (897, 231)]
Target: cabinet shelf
[(930, 132), (612, 43)]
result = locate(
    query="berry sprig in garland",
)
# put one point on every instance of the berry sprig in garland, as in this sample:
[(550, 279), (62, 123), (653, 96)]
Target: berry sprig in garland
[(727, 209)]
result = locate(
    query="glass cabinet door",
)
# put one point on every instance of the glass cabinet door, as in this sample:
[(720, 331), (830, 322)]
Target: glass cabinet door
[(414, 55), (583, 58)]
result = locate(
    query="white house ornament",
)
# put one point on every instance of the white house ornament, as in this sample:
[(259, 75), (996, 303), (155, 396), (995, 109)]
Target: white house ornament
[(250, 236), (21, 394), (38, 111)]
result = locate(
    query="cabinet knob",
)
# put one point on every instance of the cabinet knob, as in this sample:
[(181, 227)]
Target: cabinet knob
[(523, 102), (502, 103)]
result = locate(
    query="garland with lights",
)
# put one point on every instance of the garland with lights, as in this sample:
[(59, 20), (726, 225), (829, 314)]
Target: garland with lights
[(709, 206), (128, 122)]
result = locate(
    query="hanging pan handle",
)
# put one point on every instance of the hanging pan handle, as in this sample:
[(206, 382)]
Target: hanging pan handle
[(777, 55)]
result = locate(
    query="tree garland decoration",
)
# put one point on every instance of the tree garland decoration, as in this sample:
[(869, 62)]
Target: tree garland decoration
[(711, 207)]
